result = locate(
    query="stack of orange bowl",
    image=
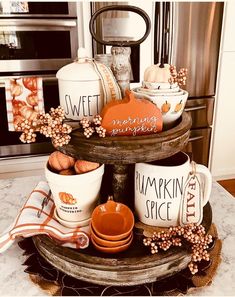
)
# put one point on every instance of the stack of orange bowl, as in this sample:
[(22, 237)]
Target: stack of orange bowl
[(112, 227)]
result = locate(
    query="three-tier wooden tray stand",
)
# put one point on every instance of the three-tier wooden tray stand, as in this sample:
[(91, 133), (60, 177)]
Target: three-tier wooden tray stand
[(136, 265)]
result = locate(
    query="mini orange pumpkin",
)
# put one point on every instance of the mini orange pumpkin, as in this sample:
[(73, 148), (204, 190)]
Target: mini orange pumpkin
[(82, 166), (165, 107), (67, 198), (69, 171), (131, 116), (59, 161)]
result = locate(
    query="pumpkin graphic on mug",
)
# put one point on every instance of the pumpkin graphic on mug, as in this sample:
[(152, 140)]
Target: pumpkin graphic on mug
[(67, 198)]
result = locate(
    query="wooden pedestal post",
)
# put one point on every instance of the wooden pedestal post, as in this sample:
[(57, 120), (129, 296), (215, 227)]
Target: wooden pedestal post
[(122, 184)]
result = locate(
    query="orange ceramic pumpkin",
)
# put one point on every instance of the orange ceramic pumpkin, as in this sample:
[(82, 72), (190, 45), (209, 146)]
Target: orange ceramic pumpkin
[(131, 116), (59, 161), (82, 166)]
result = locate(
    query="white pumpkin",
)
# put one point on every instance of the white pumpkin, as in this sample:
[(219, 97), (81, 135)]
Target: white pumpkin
[(154, 73)]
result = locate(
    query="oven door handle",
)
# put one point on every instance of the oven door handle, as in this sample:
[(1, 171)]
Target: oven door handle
[(195, 108), (30, 23), (45, 78), (195, 138)]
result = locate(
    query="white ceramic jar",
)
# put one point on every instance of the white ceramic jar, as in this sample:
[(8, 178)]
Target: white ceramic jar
[(80, 88)]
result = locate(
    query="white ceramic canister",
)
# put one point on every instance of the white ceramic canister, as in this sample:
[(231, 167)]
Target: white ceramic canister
[(80, 89)]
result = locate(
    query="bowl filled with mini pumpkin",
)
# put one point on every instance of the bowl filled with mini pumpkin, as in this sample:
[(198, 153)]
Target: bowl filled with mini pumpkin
[(75, 186), (171, 104)]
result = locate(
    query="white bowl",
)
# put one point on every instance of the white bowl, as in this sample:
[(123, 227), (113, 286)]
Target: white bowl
[(171, 105), (160, 92), (71, 224), (157, 86)]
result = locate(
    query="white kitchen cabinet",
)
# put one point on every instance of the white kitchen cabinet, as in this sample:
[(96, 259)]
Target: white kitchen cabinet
[(222, 155), (223, 144), (229, 40)]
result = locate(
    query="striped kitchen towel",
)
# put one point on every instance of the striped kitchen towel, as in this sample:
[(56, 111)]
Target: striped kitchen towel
[(27, 223)]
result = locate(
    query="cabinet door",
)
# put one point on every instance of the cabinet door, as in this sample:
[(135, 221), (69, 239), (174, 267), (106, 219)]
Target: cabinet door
[(223, 145)]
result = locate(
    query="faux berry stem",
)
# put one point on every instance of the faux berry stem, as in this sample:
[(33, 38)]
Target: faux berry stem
[(194, 235), (49, 124)]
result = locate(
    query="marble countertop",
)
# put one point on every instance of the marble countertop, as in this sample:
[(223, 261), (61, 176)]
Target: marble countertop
[(14, 281)]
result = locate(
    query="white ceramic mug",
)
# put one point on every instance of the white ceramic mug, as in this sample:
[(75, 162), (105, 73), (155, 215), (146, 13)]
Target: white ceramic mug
[(159, 188), (75, 196)]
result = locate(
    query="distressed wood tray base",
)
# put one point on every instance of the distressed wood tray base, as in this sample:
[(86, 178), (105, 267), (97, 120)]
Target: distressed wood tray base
[(132, 267)]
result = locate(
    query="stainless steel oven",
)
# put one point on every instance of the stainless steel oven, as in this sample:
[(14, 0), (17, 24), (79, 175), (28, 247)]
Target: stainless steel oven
[(37, 44), (31, 9), (36, 39)]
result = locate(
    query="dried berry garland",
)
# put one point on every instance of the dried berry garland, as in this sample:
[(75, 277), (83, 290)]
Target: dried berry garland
[(93, 126), (49, 124), (179, 77), (193, 234)]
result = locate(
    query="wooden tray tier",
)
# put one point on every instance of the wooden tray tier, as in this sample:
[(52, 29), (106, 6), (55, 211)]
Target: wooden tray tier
[(132, 267), (130, 149)]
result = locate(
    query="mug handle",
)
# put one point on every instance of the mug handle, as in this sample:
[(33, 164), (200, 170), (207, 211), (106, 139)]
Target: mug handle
[(205, 172)]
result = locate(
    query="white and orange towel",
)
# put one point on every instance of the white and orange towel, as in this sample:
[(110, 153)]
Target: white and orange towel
[(27, 223), (24, 99)]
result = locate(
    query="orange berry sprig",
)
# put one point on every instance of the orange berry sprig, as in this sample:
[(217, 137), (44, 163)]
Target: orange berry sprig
[(193, 234), (49, 124), (90, 127), (179, 77)]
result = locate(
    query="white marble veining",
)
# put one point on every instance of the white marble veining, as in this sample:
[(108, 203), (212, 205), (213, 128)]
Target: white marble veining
[(13, 280)]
